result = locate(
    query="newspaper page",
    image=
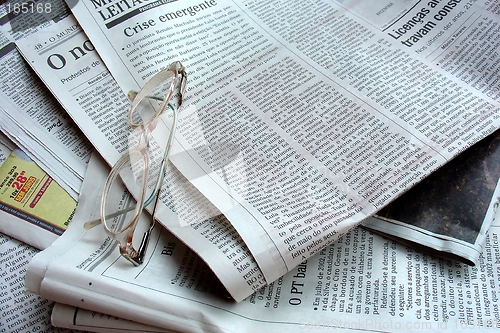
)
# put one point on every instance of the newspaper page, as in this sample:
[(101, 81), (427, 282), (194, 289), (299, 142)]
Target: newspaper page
[(332, 117), (29, 114), (361, 283), (462, 38), (21, 312), (33, 207), (98, 106)]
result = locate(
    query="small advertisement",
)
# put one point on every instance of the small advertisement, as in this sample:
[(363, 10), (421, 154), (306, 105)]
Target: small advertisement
[(29, 193)]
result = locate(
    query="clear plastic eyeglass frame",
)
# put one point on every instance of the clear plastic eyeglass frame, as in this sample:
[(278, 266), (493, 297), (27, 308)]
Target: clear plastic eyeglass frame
[(124, 234)]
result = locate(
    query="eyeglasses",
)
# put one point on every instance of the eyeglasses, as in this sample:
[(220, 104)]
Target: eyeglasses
[(142, 169)]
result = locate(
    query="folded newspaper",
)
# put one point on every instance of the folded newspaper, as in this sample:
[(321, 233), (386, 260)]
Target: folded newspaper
[(292, 133), (363, 282), (29, 115), (446, 213)]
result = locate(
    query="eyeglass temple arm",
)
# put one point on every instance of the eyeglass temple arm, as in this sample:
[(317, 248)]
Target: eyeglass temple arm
[(94, 223), (141, 251), (145, 238), (133, 93), (170, 140), (182, 87)]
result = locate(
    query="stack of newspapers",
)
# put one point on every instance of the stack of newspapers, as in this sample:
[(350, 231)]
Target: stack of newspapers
[(335, 165)]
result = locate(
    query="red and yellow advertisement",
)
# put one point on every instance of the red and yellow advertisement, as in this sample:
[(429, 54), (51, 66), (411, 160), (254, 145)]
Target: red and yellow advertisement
[(29, 193)]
